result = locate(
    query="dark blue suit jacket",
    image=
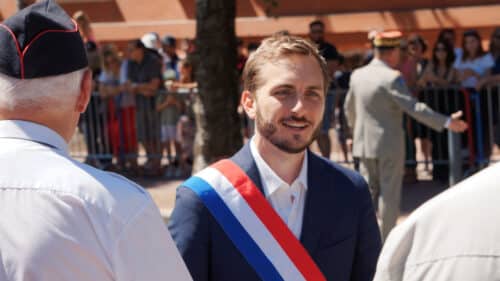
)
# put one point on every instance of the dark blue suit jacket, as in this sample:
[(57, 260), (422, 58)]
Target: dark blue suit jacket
[(339, 230)]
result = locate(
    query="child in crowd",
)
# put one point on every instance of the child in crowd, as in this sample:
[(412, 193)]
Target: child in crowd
[(185, 134), (169, 107), (186, 86), (109, 90)]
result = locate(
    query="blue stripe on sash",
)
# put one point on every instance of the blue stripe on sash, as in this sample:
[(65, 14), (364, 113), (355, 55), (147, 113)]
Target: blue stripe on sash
[(234, 230)]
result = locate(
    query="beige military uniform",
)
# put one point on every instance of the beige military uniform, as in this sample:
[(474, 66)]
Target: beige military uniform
[(374, 106)]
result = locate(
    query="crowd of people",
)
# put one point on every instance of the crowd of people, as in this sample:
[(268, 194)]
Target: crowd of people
[(272, 211), (143, 95), (446, 69)]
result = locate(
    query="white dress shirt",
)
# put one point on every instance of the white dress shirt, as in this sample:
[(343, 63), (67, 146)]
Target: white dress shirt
[(287, 200), (63, 220)]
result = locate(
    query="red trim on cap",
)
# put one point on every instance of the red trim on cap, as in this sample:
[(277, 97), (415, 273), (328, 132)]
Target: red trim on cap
[(21, 56), (23, 53)]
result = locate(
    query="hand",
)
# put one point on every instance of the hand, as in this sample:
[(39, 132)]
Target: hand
[(456, 125), (481, 83), (169, 85)]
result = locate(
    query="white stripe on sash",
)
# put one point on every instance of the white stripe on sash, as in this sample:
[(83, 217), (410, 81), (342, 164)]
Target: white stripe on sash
[(251, 223)]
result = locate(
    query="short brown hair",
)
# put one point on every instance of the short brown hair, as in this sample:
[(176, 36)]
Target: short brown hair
[(277, 47)]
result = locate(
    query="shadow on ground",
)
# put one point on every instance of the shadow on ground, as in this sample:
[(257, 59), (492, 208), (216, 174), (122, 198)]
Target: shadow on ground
[(415, 194)]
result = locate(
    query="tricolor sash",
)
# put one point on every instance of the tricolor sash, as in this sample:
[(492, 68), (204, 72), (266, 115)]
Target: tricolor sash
[(252, 224)]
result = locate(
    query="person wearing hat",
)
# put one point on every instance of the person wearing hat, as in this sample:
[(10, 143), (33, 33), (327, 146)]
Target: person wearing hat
[(61, 219), (151, 40), (377, 99)]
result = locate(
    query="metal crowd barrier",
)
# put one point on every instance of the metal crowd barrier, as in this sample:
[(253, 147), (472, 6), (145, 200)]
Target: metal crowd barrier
[(474, 149), (453, 155), (108, 133)]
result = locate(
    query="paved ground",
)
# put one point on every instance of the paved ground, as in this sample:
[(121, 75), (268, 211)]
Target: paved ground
[(414, 194), (163, 193)]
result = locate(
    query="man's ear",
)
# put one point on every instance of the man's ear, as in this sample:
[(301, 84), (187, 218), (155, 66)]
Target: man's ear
[(248, 103), (85, 92)]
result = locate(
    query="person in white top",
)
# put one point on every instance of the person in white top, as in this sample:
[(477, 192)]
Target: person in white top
[(474, 62), (454, 236), (61, 219)]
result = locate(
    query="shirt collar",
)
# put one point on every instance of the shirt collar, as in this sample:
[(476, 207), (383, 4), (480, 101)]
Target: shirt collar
[(17, 129), (377, 61), (270, 180)]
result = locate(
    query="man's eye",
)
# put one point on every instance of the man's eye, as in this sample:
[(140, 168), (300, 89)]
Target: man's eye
[(313, 94), (282, 93)]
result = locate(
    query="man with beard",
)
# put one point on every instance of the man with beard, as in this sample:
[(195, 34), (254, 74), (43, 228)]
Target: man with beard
[(276, 211)]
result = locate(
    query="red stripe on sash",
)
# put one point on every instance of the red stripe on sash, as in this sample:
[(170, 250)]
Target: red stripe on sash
[(280, 231)]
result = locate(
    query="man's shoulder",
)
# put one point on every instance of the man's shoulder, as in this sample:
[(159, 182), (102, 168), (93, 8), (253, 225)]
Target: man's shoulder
[(336, 173), (387, 76), (481, 187), (328, 51), (152, 58), (358, 72), (328, 45), (105, 192), (48, 170), (367, 70), (445, 226), (111, 191)]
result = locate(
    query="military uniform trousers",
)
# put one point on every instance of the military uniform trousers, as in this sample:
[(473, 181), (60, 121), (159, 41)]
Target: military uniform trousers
[(385, 177)]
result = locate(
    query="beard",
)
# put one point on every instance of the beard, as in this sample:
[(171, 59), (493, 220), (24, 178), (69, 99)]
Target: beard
[(268, 131)]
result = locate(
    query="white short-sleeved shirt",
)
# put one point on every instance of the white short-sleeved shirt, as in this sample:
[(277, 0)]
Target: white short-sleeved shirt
[(63, 220), (479, 65)]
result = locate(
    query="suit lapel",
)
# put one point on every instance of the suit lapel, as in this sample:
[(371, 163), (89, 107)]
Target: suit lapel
[(313, 215)]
